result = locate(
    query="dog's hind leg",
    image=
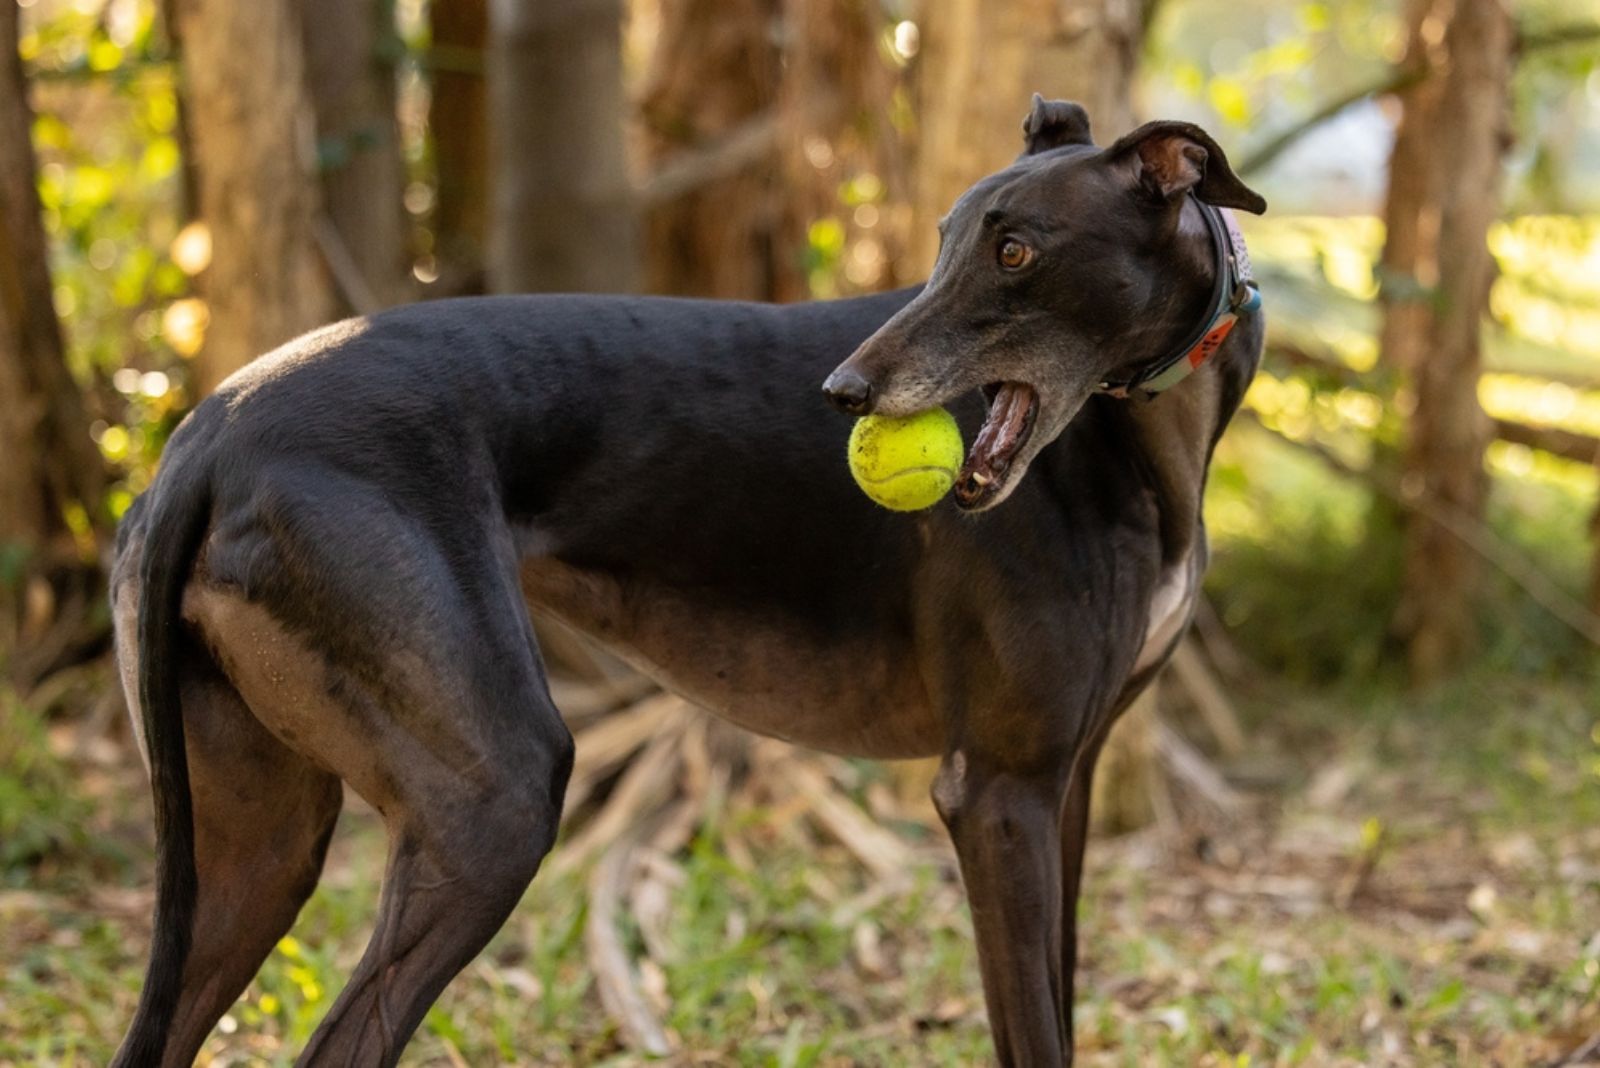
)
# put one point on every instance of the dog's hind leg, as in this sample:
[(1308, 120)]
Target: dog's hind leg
[(262, 819), (414, 676), (477, 787)]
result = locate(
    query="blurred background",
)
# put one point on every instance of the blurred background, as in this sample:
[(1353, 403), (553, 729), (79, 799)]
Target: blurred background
[(1357, 824)]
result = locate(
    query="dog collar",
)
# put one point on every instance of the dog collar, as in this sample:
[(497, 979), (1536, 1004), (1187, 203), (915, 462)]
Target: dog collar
[(1233, 295)]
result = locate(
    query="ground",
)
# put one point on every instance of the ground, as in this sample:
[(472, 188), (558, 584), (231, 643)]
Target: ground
[(1415, 881)]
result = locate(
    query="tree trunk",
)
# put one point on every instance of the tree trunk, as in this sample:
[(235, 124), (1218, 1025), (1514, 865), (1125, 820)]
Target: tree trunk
[(51, 467), (563, 211), (1445, 178), (838, 95), (458, 120), (350, 77), (772, 108), (254, 134), (715, 71), (981, 63)]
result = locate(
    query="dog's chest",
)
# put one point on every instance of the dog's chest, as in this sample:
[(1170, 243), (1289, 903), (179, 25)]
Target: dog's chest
[(1171, 607)]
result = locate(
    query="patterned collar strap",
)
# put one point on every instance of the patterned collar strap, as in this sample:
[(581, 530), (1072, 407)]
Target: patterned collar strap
[(1234, 294)]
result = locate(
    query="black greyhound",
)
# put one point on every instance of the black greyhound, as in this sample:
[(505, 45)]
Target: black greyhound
[(330, 578)]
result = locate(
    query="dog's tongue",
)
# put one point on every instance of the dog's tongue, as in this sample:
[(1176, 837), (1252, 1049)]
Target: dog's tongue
[(998, 440)]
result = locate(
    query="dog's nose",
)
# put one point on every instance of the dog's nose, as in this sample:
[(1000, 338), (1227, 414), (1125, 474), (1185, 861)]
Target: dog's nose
[(848, 391)]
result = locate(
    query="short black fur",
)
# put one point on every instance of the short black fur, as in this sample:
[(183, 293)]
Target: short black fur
[(344, 541)]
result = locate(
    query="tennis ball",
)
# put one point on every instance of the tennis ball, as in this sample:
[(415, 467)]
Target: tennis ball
[(906, 463)]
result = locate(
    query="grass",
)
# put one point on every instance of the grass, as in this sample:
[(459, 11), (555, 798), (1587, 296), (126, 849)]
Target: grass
[(1417, 883)]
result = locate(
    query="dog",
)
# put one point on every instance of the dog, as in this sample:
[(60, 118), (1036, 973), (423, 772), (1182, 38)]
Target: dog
[(330, 579)]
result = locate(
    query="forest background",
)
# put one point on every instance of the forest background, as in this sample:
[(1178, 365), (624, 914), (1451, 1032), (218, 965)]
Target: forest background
[(1359, 821)]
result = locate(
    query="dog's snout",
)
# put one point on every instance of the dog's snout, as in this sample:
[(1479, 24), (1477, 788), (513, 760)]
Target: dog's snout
[(848, 391)]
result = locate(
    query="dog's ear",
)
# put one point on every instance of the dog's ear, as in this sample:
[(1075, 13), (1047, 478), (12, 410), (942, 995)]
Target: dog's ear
[(1053, 123), (1168, 159)]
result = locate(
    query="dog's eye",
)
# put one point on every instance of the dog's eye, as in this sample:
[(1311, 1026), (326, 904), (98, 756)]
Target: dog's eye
[(1014, 255)]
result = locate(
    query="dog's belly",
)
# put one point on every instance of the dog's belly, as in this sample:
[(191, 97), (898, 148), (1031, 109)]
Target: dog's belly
[(768, 675)]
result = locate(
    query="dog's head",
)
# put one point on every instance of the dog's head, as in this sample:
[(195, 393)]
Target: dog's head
[(1072, 266)]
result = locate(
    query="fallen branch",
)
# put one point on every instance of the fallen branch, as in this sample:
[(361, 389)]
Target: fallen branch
[(879, 851), (603, 747), (643, 787), (584, 702), (1196, 680), (1588, 1053), (1194, 776), (614, 974), (1213, 636)]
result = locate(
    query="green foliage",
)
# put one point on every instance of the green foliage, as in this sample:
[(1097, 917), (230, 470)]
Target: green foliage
[(1308, 560), (1303, 572), (1263, 65), (110, 186), (42, 815), (1471, 809)]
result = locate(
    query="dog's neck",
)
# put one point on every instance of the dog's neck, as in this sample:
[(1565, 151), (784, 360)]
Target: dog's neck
[(1173, 432)]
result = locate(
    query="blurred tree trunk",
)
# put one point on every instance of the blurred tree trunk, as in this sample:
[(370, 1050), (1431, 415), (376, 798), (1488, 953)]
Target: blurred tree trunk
[(563, 210), (845, 162), (562, 216), (1444, 192), (715, 74), (980, 64), (51, 467), (253, 126), (189, 172), (350, 76), (458, 120), (757, 116)]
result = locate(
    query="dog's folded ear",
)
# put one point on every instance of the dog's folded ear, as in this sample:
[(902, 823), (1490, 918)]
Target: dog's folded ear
[(1168, 159), (1053, 123)]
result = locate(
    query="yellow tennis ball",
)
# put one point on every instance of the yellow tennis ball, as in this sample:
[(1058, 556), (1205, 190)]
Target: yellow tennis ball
[(906, 463)]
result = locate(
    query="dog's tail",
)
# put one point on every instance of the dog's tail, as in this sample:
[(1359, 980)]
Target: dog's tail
[(172, 538)]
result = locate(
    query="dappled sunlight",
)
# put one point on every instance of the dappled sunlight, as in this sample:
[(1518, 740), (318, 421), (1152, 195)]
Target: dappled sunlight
[(1344, 861)]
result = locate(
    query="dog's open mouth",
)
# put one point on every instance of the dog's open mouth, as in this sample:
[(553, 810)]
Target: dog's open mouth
[(1013, 408)]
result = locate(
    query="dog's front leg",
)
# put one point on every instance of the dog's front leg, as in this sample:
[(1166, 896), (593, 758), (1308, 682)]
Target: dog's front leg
[(1005, 823), (1074, 836)]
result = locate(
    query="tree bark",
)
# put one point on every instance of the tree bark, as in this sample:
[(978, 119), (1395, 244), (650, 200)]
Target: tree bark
[(716, 68), (776, 105), (1445, 180), (563, 209), (51, 464), (49, 571), (350, 77), (838, 94), (253, 127), (981, 62), (459, 121)]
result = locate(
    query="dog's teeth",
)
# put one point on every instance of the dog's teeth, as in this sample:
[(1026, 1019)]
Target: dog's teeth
[(981, 479)]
